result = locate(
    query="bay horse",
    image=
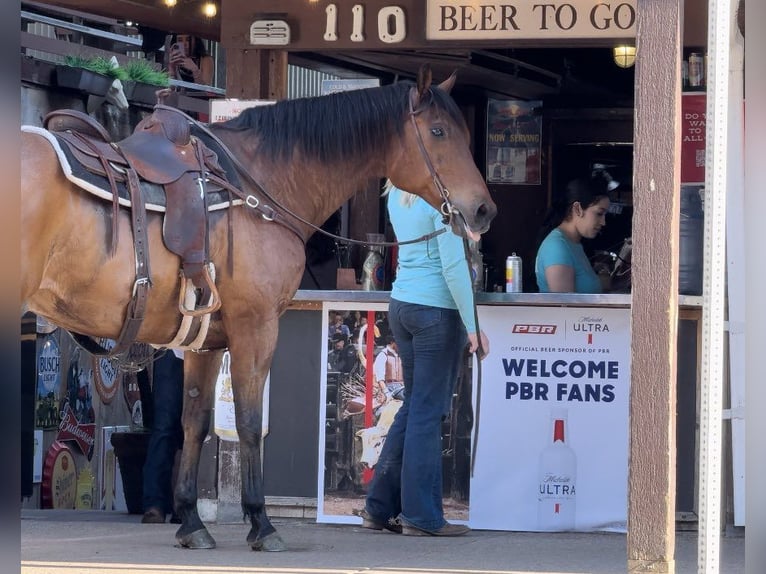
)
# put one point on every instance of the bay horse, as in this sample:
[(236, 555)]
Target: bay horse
[(311, 155)]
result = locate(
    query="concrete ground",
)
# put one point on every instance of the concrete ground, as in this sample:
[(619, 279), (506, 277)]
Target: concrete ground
[(96, 542)]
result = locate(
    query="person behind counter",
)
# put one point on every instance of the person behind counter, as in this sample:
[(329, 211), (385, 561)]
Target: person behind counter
[(561, 265)]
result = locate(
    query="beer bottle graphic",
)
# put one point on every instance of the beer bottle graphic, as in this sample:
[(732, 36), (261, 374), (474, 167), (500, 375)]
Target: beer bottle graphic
[(557, 477)]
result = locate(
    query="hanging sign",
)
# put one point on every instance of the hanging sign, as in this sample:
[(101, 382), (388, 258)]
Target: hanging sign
[(417, 24), (500, 19)]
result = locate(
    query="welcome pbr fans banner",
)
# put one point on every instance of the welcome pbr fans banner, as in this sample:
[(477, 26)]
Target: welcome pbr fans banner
[(553, 442)]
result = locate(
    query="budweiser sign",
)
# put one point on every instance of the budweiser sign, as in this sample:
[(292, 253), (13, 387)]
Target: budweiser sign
[(70, 429)]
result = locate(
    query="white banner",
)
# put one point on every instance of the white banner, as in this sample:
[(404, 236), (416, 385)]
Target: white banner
[(553, 441), (223, 109)]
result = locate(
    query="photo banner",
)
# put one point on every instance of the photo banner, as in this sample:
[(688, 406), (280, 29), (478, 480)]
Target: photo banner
[(553, 443), (361, 393)]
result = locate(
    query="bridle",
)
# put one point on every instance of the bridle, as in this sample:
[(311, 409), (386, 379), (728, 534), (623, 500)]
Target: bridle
[(447, 210)]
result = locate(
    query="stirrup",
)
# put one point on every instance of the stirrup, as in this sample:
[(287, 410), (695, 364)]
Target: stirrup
[(208, 273)]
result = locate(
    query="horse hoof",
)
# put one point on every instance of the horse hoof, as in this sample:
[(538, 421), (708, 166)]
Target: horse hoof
[(197, 540), (271, 543)]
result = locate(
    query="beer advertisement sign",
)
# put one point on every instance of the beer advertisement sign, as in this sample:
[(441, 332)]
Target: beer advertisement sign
[(552, 454)]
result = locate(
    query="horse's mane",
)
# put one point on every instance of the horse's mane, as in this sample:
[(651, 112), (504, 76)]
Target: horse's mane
[(338, 127)]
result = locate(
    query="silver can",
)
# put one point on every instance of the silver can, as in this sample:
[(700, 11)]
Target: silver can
[(696, 70), (513, 274)]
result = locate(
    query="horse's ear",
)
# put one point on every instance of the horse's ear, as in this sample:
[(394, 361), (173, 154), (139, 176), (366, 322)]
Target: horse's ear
[(424, 80), (449, 83)]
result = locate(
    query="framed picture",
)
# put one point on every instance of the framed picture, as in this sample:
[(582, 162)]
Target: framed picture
[(514, 137)]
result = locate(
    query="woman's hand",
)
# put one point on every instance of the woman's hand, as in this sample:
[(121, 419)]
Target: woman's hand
[(473, 344), (180, 61)]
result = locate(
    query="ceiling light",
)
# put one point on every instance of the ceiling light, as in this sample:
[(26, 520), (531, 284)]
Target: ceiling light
[(209, 9), (624, 56), (170, 3)]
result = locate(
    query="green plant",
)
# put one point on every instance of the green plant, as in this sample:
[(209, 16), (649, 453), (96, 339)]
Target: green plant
[(98, 65), (143, 71)]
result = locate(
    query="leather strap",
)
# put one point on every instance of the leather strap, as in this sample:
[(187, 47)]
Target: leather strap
[(137, 306), (136, 311)]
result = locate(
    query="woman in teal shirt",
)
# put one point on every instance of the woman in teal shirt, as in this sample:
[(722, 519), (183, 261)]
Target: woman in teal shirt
[(561, 265)]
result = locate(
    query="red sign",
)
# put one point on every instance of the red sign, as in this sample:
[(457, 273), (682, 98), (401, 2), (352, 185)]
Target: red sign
[(71, 429), (693, 116)]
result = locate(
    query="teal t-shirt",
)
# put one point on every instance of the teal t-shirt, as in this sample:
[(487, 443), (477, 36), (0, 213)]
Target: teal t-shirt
[(556, 249), (432, 272)]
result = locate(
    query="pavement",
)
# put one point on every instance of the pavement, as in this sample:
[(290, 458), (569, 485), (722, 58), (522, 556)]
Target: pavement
[(98, 542)]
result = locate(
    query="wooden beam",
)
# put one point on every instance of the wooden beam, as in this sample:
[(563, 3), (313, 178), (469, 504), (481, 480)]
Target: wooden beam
[(184, 19), (654, 310)]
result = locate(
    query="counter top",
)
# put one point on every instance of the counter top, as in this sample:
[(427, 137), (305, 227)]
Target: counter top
[(312, 299)]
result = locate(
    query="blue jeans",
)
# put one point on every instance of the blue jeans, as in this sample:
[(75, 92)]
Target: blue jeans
[(167, 433), (408, 474)]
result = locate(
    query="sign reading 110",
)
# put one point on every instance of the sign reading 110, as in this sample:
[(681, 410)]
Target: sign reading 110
[(391, 24)]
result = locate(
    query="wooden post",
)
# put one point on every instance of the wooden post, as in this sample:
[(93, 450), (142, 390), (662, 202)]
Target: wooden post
[(250, 74), (654, 310), (256, 74)]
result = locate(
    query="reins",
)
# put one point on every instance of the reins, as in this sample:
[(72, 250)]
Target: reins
[(479, 355)]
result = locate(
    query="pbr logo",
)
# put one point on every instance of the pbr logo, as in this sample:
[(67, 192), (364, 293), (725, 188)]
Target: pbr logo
[(534, 329)]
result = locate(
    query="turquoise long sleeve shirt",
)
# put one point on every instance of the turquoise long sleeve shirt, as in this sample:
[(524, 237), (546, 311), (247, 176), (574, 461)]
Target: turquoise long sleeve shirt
[(433, 272)]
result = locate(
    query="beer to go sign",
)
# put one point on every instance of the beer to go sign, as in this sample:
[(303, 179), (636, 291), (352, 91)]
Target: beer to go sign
[(496, 20), (381, 25)]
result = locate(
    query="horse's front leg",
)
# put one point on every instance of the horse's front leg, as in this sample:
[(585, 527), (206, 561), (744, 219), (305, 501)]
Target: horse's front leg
[(200, 372), (250, 363)]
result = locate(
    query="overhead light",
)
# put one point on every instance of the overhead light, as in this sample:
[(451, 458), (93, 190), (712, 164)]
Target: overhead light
[(170, 3), (624, 56), (209, 9)]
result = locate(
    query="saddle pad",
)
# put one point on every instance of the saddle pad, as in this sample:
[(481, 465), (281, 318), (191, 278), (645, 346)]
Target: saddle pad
[(99, 186)]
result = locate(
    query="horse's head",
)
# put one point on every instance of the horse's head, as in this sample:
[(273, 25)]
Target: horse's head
[(436, 162)]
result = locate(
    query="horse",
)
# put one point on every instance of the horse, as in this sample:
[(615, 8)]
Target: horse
[(311, 155)]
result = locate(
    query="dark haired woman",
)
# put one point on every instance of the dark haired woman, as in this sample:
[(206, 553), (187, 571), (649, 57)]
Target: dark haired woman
[(561, 265), (188, 60)]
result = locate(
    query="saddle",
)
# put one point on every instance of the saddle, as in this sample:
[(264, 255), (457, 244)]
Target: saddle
[(162, 151)]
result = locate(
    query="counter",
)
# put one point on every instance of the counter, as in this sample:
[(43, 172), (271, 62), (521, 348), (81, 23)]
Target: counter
[(312, 299), (314, 419)]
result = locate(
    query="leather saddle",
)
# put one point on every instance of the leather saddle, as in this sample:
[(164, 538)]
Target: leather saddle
[(161, 150)]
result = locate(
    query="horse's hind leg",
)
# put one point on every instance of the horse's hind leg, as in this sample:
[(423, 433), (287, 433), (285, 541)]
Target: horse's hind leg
[(249, 365), (200, 372)]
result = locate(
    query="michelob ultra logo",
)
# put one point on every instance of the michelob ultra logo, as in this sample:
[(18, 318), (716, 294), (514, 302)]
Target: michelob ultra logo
[(531, 329)]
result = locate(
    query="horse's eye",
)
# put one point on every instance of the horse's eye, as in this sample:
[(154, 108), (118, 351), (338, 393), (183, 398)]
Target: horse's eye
[(438, 132)]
